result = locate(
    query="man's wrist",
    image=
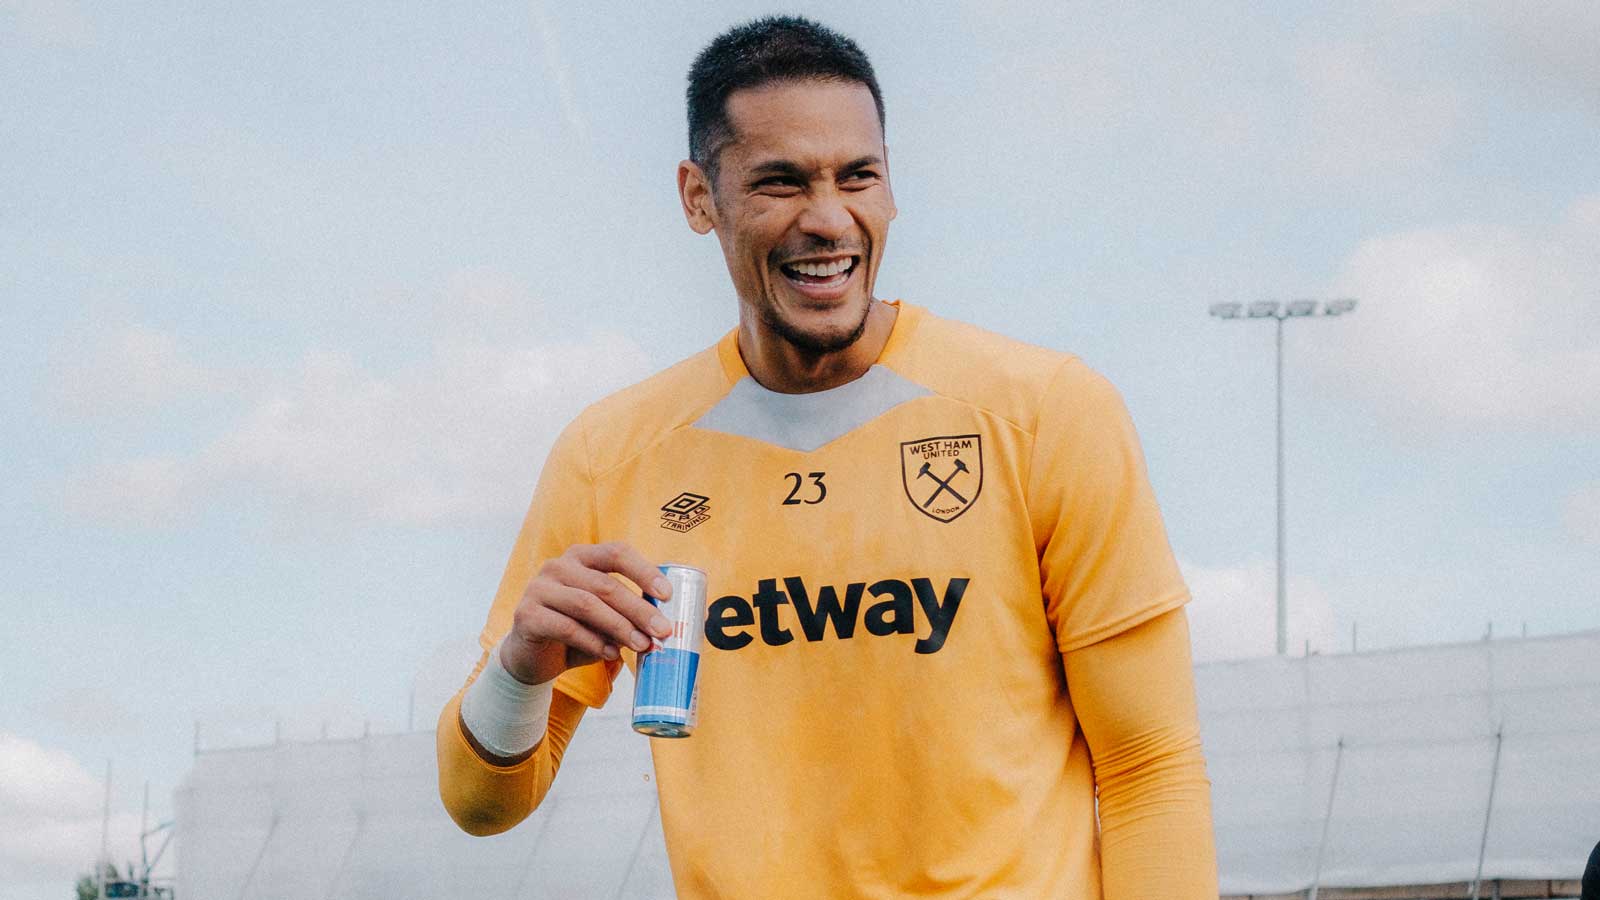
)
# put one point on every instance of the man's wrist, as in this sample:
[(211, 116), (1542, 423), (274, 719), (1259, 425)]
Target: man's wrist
[(502, 714)]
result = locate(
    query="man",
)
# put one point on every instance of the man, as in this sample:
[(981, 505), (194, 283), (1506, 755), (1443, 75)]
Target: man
[(1591, 875), (944, 619)]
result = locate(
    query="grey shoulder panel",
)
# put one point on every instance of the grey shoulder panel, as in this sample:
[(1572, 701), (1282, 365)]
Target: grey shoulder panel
[(805, 422)]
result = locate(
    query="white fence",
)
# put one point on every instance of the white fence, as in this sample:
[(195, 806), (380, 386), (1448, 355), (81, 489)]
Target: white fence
[(361, 819)]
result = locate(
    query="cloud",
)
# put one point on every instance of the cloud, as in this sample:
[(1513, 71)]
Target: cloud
[(144, 492), (50, 815), (1471, 326), (1233, 613), (1582, 514), (132, 371), (456, 435), (559, 72)]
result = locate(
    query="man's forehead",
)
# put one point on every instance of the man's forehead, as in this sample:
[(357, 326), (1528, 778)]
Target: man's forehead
[(823, 118)]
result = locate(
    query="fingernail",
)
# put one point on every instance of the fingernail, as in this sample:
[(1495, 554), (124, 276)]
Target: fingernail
[(661, 626), (639, 641), (610, 652), (661, 589)]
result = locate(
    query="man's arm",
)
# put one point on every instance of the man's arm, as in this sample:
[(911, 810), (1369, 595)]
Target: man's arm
[(1134, 696), (487, 796), (558, 616), (1114, 597)]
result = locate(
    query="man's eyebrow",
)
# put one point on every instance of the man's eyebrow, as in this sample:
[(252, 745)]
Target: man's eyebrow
[(861, 163), (778, 167), (795, 170)]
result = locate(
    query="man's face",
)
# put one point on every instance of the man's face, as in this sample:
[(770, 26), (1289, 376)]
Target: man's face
[(802, 207)]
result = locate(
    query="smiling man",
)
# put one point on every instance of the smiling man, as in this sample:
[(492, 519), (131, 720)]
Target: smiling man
[(946, 651)]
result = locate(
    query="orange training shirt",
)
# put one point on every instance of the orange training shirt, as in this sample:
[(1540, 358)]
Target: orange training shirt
[(897, 569)]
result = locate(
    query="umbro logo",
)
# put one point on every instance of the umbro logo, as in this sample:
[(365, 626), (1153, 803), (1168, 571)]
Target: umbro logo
[(685, 511)]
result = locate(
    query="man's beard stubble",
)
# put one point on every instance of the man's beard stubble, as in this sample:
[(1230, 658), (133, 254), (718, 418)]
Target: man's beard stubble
[(811, 344)]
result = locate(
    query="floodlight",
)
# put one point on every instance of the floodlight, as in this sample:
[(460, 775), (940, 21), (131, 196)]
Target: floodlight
[(1279, 313)]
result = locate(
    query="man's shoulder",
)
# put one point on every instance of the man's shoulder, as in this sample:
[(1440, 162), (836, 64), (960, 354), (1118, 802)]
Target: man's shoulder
[(1003, 375), (624, 423)]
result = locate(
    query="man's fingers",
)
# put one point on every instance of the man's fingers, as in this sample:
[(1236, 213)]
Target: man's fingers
[(552, 625), (597, 614), (621, 558), (638, 611)]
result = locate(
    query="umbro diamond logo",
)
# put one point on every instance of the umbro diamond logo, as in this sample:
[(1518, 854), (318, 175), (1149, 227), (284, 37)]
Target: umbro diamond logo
[(685, 511)]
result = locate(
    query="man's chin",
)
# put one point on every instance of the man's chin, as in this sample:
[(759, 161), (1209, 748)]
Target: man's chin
[(821, 337)]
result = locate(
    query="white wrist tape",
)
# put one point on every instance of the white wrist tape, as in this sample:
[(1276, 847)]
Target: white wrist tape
[(506, 716)]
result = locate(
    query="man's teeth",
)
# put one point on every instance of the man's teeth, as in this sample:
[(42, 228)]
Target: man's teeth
[(824, 270)]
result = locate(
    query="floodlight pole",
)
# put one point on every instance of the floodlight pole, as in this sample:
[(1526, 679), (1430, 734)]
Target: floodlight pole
[(1283, 592), (1270, 310)]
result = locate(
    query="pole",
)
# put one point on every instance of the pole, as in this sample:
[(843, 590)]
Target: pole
[(105, 837), (144, 829), (1283, 601), (1327, 817), (1488, 812)]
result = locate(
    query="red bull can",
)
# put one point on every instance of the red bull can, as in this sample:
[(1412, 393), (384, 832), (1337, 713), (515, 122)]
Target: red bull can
[(666, 691)]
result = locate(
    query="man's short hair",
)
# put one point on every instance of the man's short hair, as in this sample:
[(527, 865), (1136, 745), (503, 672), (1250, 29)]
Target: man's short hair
[(771, 49)]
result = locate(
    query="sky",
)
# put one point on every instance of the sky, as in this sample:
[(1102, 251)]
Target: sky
[(293, 299)]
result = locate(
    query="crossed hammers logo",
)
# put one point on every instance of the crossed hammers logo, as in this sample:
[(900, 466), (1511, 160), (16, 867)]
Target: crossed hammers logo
[(944, 483)]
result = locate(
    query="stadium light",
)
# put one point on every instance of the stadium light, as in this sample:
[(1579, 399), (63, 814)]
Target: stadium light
[(1295, 309)]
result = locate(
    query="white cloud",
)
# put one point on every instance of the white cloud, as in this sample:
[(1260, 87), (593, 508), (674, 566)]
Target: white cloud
[(37, 780), (50, 815), (148, 491), (1474, 325), (1233, 613), (456, 435), (559, 72), (1582, 514), (134, 370)]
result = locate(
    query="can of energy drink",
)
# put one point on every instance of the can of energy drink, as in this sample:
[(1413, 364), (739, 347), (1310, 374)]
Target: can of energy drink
[(666, 691)]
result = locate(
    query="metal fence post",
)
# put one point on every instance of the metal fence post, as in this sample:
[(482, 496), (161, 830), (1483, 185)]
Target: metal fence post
[(1327, 818), (1488, 812)]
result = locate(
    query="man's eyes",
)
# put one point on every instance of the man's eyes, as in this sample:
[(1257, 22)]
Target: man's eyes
[(791, 183)]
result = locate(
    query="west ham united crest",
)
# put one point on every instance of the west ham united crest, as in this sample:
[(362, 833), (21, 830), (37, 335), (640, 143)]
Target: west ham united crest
[(942, 475)]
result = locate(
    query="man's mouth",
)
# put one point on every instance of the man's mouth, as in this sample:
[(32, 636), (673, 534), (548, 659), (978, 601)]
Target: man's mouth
[(821, 273)]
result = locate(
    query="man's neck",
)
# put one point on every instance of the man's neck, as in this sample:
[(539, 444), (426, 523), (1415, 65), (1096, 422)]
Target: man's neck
[(778, 365)]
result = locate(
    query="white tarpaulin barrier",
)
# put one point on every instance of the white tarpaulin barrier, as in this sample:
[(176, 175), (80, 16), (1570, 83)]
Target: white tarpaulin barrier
[(1419, 732), (361, 819)]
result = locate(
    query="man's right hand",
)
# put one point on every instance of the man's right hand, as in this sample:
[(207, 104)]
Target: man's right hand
[(573, 612)]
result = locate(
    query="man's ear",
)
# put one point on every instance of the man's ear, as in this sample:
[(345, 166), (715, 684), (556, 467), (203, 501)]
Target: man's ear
[(694, 190)]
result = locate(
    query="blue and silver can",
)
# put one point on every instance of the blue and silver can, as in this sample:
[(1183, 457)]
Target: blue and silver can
[(666, 693)]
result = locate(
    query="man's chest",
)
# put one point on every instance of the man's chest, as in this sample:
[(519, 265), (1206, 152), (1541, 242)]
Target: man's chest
[(910, 532)]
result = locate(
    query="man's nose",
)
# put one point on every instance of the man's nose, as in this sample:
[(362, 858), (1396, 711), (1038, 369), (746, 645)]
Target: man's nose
[(826, 217)]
